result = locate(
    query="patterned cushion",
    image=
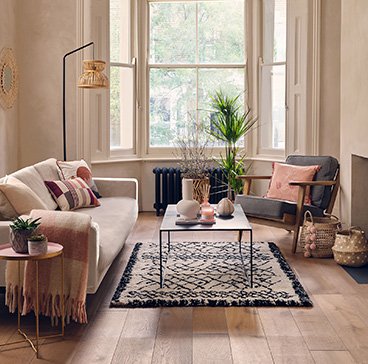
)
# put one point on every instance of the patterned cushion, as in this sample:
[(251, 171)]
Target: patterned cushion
[(285, 173), (72, 169), (72, 194)]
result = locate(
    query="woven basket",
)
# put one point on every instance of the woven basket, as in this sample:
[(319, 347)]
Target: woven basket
[(325, 229), (351, 248)]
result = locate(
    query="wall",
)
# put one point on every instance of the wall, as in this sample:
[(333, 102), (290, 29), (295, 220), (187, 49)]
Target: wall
[(329, 133), (354, 94), (47, 30), (46, 33), (8, 117)]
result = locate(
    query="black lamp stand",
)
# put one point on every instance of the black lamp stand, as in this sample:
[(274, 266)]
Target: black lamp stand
[(64, 113)]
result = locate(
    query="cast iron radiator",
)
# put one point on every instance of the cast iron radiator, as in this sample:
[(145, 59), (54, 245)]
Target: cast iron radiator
[(168, 187)]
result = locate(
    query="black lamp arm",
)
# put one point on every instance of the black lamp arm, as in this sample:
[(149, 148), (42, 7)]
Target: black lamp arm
[(64, 113)]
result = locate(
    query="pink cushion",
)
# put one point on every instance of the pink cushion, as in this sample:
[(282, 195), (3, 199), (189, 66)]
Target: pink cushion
[(283, 174)]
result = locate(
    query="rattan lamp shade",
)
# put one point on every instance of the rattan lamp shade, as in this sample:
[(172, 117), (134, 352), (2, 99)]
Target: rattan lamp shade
[(93, 76)]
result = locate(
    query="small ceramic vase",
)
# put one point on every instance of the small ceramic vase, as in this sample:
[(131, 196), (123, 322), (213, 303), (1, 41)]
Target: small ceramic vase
[(225, 207), (188, 209)]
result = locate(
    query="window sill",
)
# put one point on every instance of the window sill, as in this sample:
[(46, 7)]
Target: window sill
[(173, 159)]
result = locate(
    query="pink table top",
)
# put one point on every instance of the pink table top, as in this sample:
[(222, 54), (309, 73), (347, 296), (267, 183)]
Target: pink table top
[(7, 253)]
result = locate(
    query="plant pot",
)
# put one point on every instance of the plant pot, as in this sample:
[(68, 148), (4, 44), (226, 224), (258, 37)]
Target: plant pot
[(37, 247), (19, 240)]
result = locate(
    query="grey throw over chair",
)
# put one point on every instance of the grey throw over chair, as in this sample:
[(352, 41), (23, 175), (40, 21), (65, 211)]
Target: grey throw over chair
[(289, 215)]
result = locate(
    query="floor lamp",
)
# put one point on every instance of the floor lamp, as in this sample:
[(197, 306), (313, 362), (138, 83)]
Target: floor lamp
[(92, 77)]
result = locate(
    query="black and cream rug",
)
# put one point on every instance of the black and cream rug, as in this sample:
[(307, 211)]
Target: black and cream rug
[(208, 274)]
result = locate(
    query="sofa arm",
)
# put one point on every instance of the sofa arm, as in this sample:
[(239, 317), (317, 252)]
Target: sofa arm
[(4, 231), (114, 187)]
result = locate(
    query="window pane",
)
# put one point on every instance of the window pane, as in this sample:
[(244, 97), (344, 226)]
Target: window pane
[(221, 31), (279, 48), (172, 104), (173, 32), (274, 31), (230, 81), (121, 107), (120, 31), (272, 115)]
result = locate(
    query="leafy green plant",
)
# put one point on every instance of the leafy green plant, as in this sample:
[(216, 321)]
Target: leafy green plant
[(39, 237), (20, 224), (229, 124)]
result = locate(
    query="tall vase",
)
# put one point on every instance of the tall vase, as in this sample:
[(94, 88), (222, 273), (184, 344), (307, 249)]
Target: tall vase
[(187, 188)]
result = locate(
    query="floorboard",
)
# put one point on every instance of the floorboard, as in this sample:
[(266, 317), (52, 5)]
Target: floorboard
[(334, 331)]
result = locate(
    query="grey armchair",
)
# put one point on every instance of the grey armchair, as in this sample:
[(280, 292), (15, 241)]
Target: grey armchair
[(289, 215)]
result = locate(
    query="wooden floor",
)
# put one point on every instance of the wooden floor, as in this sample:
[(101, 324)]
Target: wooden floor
[(334, 331)]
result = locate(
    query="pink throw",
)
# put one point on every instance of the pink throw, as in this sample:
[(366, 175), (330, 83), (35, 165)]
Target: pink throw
[(71, 230)]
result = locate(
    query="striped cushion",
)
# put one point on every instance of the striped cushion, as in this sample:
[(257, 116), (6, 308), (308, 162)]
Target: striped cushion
[(72, 194)]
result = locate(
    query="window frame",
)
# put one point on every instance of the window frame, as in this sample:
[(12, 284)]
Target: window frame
[(116, 152)]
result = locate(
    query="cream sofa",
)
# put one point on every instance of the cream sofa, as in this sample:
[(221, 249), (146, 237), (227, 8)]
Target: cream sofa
[(111, 222)]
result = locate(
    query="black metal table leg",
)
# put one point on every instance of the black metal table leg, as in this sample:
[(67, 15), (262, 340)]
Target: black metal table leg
[(161, 259), (240, 235), (251, 258)]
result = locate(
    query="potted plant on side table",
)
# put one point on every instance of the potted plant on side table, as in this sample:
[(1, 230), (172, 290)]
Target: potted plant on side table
[(20, 230), (37, 244)]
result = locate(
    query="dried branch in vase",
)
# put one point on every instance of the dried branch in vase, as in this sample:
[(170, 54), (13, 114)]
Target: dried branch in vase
[(191, 152)]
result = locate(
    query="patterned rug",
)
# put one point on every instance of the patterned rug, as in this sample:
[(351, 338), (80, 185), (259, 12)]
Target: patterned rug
[(208, 274)]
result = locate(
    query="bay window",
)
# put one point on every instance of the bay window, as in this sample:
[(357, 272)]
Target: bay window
[(167, 57)]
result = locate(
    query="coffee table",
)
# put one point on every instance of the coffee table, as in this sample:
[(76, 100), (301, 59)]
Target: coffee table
[(237, 222)]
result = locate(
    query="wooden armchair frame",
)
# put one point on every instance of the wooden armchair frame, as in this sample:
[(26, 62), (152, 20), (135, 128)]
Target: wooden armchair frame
[(292, 222)]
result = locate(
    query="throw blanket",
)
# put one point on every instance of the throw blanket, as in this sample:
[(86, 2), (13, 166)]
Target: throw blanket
[(72, 231)]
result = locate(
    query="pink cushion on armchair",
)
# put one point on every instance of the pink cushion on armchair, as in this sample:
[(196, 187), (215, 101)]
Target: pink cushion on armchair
[(283, 174)]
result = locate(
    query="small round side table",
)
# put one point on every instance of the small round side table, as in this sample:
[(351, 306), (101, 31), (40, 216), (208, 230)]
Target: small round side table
[(53, 250)]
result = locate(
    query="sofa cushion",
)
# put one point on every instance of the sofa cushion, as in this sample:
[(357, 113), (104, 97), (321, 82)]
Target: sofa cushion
[(72, 194), (270, 208), (80, 169), (115, 218), (284, 173), (47, 169), (18, 199), (30, 177), (329, 165)]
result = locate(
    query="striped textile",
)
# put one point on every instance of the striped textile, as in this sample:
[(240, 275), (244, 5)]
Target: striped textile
[(72, 194)]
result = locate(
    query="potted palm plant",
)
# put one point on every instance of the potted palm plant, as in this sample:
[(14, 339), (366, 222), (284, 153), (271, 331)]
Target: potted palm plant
[(20, 230), (229, 124)]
